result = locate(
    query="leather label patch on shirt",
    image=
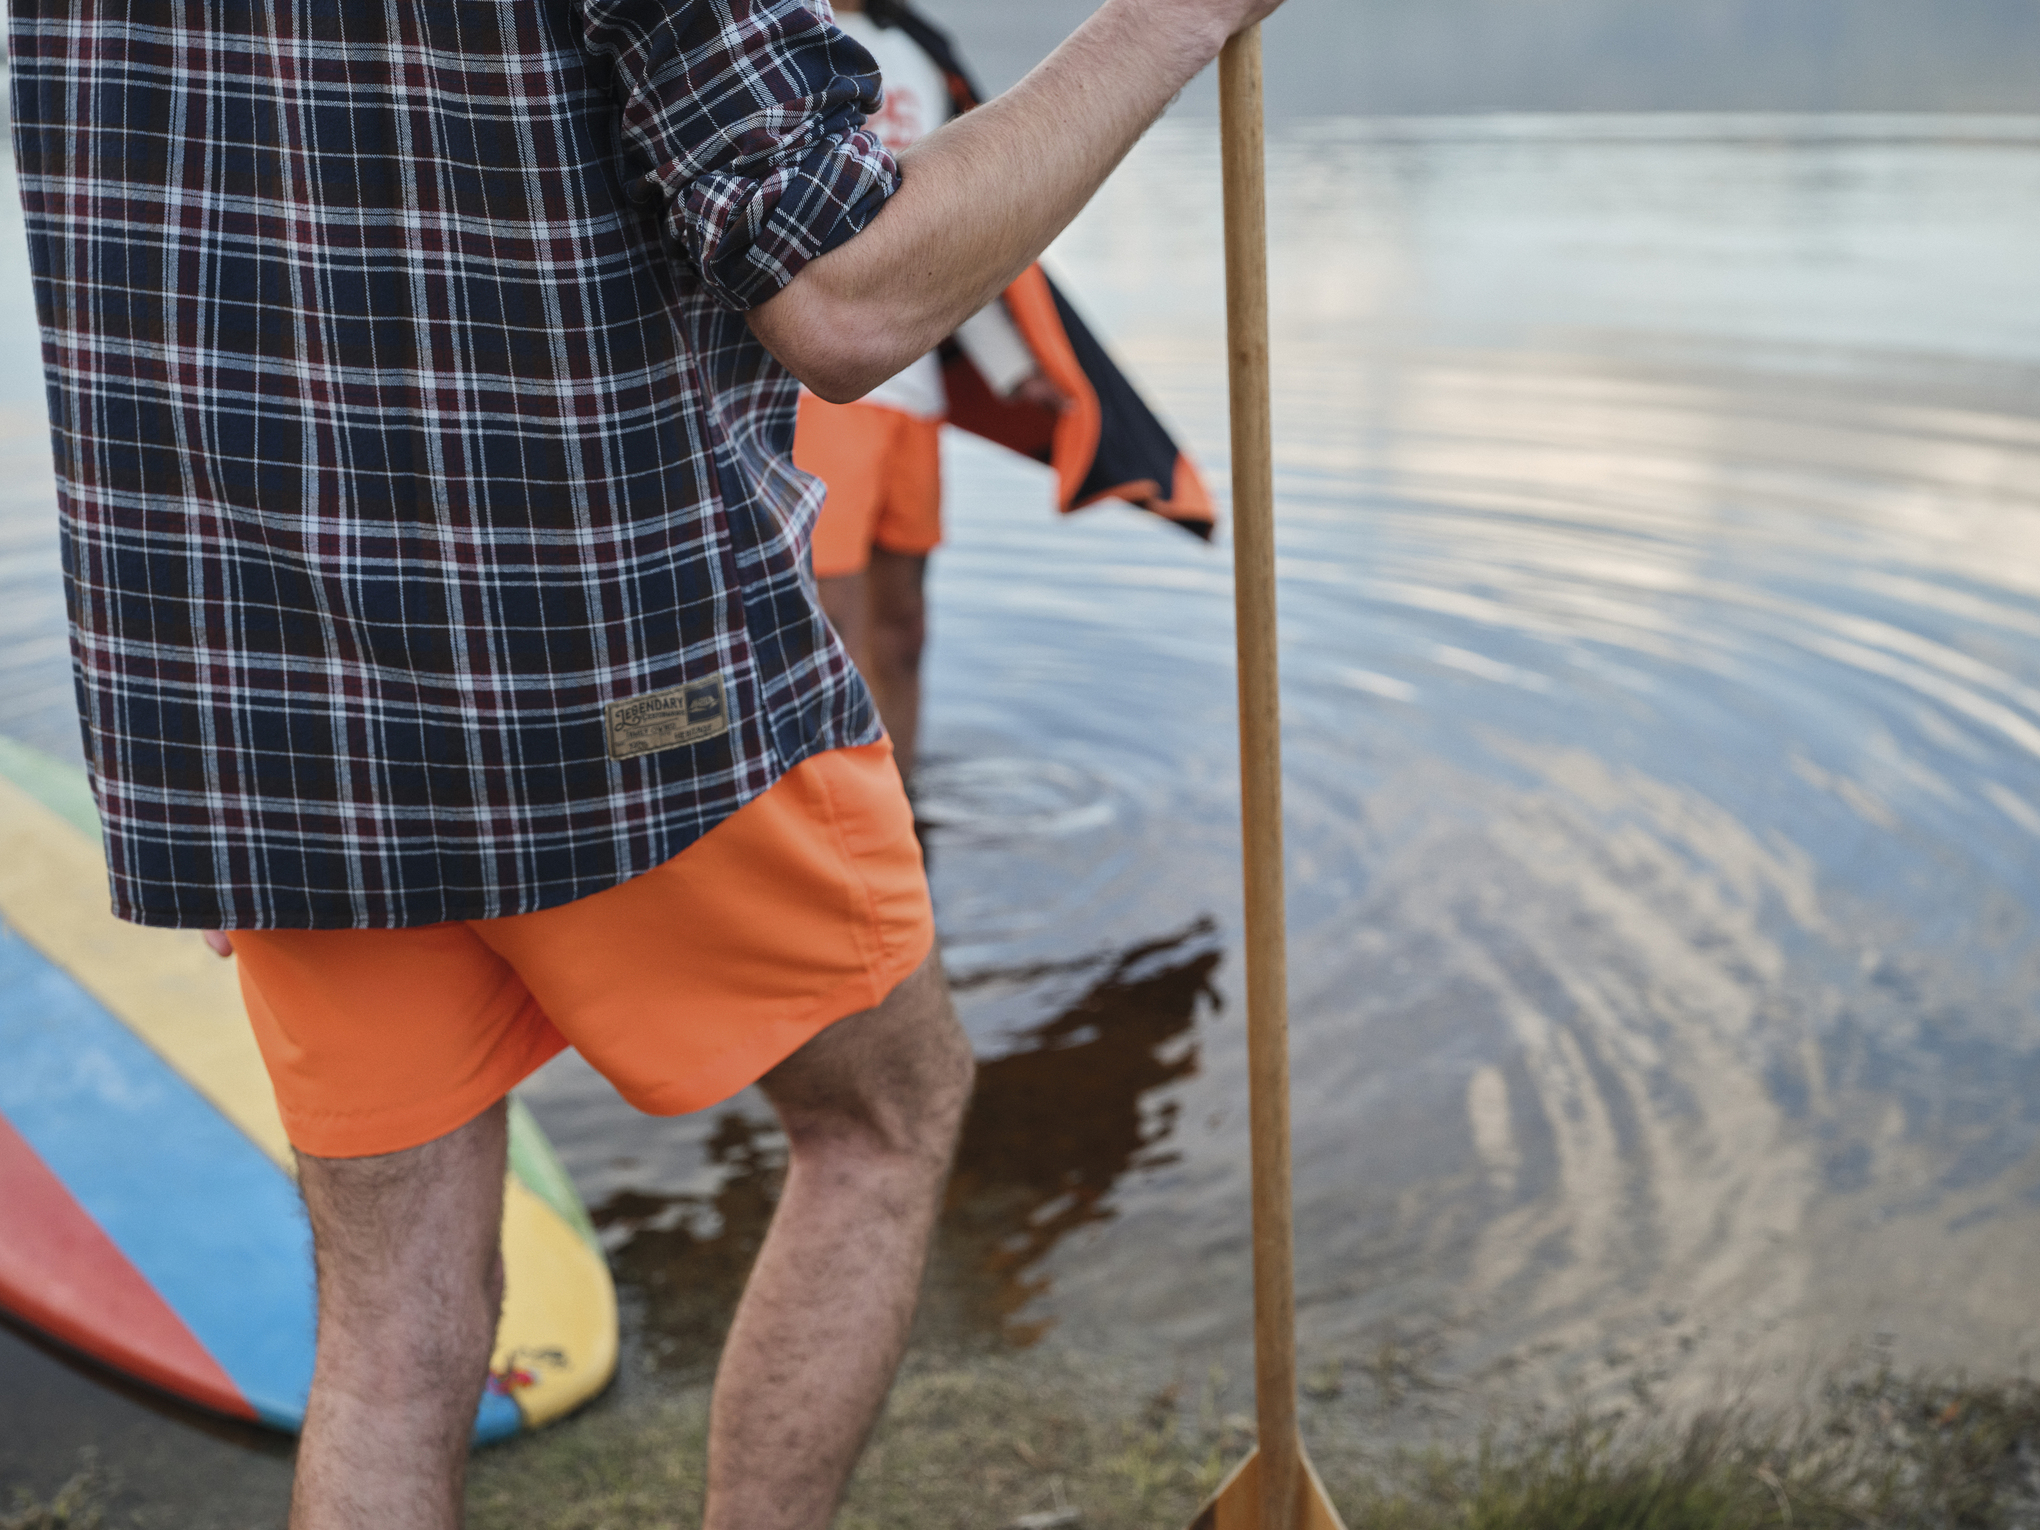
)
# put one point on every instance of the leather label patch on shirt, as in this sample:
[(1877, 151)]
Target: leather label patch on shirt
[(685, 714)]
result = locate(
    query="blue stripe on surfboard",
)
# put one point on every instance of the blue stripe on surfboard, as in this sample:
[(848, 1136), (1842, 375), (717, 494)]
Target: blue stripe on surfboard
[(197, 1208), (210, 1221)]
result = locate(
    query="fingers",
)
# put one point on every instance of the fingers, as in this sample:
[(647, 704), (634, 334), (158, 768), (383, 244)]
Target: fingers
[(1214, 20), (1041, 393), (219, 942), (1256, 12), (1249, 13)]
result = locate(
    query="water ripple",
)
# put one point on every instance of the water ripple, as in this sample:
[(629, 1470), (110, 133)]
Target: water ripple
[(1661, 693)]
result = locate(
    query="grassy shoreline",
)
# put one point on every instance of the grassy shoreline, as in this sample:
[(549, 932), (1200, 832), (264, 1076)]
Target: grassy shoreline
[(976, 1444), (979, 1445)]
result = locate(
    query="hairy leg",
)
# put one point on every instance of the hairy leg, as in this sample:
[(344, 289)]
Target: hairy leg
[(895, 636), (410, 1282), (846, 601), (871, 1109)]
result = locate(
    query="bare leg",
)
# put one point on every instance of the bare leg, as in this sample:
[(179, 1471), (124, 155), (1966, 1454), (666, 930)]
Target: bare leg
[(871, 1109), (897, 632), (846, 601), (410, 1282)]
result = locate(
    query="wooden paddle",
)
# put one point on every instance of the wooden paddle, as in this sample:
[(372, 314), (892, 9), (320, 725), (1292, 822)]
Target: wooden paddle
[(1274, 1488)]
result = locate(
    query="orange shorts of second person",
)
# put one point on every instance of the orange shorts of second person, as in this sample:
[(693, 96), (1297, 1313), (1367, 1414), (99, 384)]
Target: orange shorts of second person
[(883, 471), (682, 986)]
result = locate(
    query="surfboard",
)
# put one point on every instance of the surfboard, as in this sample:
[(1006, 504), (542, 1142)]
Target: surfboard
[(148, 1215)]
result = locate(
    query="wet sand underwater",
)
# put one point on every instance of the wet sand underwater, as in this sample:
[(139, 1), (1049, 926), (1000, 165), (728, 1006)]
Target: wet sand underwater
[(1660, 502)]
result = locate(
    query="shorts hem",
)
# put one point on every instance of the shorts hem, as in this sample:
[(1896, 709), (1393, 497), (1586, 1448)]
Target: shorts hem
[(923, 550), (376, 1133), (865, 992)]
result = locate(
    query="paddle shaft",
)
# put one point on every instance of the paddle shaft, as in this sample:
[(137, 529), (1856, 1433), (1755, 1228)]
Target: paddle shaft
[(1253, 465)]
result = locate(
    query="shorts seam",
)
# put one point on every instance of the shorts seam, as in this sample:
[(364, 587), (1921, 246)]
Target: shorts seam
[(912, 437), (427, 1120), (525, 1011), (869, 932), (853, 997)]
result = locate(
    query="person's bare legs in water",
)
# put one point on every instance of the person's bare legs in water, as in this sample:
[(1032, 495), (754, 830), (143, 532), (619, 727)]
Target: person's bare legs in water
[(410, 1279), (881, 614)]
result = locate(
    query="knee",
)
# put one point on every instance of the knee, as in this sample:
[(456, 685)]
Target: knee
[(893, 1085), (944, 1096), (913, 1107), (899, 637)]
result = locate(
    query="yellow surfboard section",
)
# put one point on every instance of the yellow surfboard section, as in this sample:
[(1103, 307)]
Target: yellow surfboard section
[(556, 1343), (164, 985)]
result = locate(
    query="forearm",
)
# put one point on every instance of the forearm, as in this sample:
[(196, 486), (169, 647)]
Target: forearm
[(983, 197)]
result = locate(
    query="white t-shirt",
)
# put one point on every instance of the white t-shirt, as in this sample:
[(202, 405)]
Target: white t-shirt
[(916, 103), (916, 96)]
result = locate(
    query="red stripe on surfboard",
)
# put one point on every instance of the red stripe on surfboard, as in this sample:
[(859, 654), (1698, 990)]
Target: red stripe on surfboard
[(61, 1273)]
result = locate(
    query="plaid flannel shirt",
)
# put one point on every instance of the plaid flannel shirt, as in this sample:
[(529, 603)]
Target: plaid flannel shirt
[(431, 538)]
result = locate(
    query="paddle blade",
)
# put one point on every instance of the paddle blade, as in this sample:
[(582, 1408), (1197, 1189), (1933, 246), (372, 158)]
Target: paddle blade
[(1237, 1503)]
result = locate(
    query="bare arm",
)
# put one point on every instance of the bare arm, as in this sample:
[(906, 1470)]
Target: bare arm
[(983, 197)]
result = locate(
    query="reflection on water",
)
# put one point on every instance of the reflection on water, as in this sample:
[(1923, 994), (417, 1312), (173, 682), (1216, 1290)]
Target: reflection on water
[(1073, 1106), (1659, 511), (1660, 562), (1054, 1124), (685, 1256)]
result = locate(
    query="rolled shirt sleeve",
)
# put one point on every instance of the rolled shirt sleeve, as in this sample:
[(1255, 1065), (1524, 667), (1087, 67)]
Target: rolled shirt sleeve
[(745, 118)]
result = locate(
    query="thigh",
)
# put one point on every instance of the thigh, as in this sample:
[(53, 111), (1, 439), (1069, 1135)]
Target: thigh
[(847, 446), (846, 602), (895, 596), (380, 1040), (687, 984), (909, 521)]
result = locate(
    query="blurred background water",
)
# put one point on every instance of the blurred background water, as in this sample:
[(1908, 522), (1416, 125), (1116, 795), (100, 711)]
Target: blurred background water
[(1383, 57), (1660, 542)]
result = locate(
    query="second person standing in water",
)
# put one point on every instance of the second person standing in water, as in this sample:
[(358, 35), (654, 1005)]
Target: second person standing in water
[(880, 456)]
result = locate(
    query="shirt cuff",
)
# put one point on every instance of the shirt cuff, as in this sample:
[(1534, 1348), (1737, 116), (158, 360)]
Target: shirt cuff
[(750, 237)]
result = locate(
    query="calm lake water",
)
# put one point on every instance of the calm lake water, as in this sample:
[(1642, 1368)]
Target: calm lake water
[(1660, 559)]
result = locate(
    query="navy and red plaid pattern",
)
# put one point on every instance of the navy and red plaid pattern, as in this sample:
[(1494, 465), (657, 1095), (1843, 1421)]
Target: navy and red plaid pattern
[(405, 415)]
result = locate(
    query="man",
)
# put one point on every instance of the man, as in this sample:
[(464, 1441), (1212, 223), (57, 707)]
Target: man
[(880, 456), (422, 382)]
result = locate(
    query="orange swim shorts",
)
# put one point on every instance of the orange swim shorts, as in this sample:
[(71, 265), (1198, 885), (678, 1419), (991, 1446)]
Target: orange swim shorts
[(883, 470), (682, 986)]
